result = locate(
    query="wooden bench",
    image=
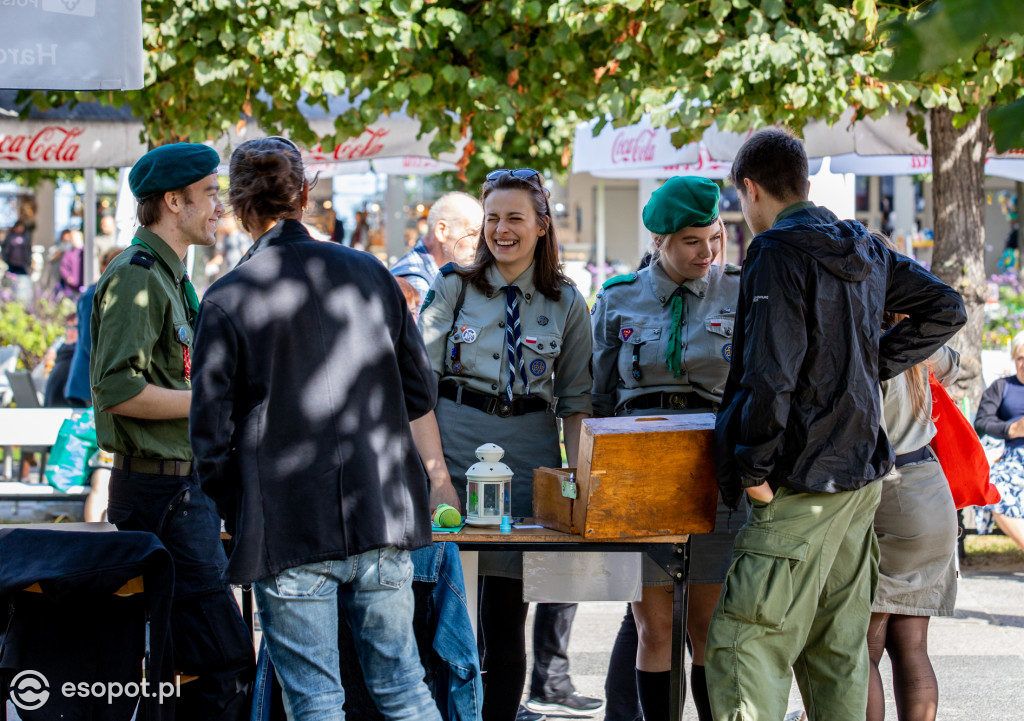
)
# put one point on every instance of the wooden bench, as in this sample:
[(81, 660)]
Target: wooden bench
[(29, 427)]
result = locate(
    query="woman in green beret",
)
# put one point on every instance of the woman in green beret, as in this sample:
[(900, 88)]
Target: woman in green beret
[(663, 344)]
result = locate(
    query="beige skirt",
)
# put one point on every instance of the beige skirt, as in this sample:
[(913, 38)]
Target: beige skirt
[(916, 528)]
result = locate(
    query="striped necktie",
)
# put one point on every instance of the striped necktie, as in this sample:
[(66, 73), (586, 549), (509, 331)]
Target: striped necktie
[(513, 345)]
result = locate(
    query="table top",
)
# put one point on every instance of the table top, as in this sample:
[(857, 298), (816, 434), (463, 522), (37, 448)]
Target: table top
[(526, 532)]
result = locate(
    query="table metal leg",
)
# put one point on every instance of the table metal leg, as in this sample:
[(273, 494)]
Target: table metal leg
[(676, 560)]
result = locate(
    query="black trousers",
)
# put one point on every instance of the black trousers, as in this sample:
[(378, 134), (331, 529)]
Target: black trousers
[(503, 638), (552, 624), (209, 637)]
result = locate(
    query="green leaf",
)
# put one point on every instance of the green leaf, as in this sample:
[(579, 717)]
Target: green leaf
[(1007, 125), (422, 84), (400, 89), (772, 8), (799, 95), (930, 98), (867, 13)]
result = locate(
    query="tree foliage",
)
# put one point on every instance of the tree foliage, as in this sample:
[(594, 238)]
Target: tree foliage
[(518, 75)]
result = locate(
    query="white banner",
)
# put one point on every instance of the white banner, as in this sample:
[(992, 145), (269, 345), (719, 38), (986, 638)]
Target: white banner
[(1001, 167), (639, 150), (390, 136), (619, 150), (71, 44), (68, 144)]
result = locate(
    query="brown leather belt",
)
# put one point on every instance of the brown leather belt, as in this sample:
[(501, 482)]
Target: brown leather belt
[(154, 466)]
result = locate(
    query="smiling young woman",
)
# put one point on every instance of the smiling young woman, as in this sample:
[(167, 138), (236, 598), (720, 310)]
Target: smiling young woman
[(507, 336)]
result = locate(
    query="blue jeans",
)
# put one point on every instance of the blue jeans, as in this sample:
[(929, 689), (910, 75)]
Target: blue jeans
[(299, 615)]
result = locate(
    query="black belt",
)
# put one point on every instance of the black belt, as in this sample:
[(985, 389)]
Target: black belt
[(919, 456), (670, 401), (492, 404), (154, 466)]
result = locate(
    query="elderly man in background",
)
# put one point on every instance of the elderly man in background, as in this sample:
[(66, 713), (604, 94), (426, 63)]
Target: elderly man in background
[(453, 230)]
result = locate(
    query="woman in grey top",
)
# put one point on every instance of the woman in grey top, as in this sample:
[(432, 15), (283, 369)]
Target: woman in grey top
[(663, 344), (916, 527)]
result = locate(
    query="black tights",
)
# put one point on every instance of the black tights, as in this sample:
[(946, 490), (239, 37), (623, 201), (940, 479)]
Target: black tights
[(503, 626), (915, 687)]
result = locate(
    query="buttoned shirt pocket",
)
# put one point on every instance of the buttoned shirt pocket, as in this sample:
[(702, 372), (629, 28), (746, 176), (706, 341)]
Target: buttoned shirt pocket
[(647, 343), (539, 354), (719, 329)]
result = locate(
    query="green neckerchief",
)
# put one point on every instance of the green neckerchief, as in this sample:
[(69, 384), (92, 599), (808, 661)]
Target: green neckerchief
[(794, 208), (675, 336), (191, 298)]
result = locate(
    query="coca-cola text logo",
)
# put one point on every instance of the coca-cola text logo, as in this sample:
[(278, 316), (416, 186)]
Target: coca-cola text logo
[(637, 148), (365, 146), (52, 144)]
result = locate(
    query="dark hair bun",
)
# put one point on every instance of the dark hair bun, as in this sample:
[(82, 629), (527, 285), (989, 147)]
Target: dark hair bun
[(266, 182)]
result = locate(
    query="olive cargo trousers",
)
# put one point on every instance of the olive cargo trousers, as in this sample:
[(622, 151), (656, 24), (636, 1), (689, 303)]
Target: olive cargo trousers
[(798, 596)]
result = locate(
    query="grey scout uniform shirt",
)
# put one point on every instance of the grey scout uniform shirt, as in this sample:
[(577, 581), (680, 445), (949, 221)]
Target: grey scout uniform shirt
[(555, 339), (635, 314)]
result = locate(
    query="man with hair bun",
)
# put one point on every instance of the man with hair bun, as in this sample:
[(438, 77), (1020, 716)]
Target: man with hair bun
[(800, 431), (310, 380), (142, 324)]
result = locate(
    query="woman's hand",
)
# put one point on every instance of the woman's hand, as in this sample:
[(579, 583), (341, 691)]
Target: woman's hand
[(1016, 429)]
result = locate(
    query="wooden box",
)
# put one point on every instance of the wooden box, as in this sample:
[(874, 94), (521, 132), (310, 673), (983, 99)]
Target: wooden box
[(638, 476)]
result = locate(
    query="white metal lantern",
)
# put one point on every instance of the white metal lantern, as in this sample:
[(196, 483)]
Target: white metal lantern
[(489, 487)]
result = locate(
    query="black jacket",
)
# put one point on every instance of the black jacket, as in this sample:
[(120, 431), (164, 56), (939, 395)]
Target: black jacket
[(802, 404), (76, 630), (307, 370)]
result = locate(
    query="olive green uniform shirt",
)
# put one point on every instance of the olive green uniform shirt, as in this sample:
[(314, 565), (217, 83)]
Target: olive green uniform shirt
[(634, 316), (555, 337), (140, 330)]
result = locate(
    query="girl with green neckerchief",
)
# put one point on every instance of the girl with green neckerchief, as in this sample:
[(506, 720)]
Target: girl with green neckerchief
[(663, 344)]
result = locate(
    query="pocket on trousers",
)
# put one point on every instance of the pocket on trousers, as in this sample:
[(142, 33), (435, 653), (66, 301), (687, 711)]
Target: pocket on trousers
[(119, 512), (759, 587), (304, 580), (394, 567)]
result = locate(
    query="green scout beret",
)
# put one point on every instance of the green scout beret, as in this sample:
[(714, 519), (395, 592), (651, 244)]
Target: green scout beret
[(171, 167), (682, 202)]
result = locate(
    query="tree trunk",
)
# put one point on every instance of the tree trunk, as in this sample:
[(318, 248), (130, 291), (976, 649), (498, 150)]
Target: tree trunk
[(958, 194)]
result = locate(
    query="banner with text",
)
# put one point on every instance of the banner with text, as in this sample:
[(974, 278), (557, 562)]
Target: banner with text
[(71, 44)]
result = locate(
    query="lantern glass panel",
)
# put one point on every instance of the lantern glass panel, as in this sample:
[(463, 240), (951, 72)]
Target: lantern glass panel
[(473, 499), (492, 499)]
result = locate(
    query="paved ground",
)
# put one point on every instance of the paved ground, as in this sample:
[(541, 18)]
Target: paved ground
[(978, 655)]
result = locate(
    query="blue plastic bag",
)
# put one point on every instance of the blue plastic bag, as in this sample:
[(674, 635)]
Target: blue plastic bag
[(68, 464)]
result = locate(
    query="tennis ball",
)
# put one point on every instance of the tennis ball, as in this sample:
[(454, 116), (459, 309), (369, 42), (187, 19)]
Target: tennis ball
[(446, 516)]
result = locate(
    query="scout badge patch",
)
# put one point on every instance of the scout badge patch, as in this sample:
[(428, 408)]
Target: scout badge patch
[(727, 352), (186, 357), (625, 333), (538, 367)]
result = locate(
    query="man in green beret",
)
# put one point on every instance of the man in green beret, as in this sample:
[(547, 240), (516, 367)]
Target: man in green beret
[(142, 327)]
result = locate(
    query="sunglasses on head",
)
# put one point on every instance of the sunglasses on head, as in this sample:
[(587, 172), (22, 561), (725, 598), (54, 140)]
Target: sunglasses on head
[(519, 173)]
